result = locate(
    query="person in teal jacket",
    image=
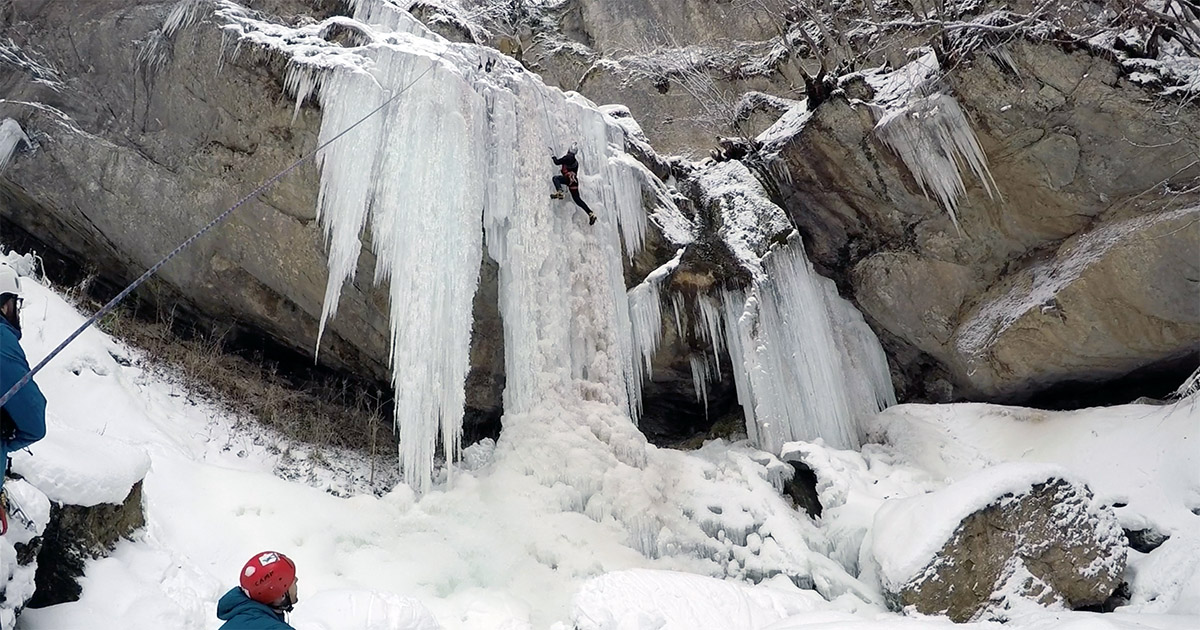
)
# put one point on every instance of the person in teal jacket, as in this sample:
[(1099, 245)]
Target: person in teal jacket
[(267, 593), (23, 416)]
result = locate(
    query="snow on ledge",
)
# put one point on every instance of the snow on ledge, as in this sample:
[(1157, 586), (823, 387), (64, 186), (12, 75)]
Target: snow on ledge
[(75, 467), (917, 527)]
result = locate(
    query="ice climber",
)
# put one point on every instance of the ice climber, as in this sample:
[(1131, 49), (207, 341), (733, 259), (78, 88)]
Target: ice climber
[(570, 178), (267, 593), (23, 417)]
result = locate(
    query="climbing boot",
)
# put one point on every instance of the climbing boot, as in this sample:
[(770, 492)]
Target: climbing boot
[(591, 219), (556, 195)]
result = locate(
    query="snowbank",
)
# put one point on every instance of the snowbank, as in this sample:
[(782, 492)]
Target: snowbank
[(1143, 459), (666, 600), (76, 467)]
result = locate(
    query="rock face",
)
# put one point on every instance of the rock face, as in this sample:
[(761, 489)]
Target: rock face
[(1050, 545), (166, 146), (76, 534), (1081, 269)]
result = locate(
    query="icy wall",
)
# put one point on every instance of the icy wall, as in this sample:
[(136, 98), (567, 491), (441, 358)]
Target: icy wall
[(463, 155)]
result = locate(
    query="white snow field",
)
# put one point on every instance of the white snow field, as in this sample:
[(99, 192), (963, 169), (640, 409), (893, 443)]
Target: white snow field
[(497, 548)]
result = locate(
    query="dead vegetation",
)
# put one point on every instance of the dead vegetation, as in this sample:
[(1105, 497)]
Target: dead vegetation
[(333, 414)]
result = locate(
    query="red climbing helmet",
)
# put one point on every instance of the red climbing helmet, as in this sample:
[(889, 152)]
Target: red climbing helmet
[(268, 576)]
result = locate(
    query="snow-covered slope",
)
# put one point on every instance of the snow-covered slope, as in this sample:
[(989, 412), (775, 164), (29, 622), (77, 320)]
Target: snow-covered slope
[(498, 548)]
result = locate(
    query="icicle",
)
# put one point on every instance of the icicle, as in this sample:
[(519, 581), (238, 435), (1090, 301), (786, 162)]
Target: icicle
[(710, 330), (302, 81), (182, 15), (645, 315), (427, 235), (11, 135), (929, 132), (700, 379), (932, 137)]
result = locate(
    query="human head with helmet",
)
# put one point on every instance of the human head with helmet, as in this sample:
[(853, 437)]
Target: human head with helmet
[(270, 578), (10, 295), (574, 148)]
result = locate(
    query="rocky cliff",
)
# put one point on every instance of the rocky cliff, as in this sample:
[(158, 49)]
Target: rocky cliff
[(1076, 263)]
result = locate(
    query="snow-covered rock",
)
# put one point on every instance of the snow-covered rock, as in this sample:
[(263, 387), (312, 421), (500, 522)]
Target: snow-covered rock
[(78, 533), (74, 467), (986, 545)]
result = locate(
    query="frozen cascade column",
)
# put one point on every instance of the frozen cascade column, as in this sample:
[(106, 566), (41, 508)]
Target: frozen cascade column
[(812, 365), (806, 364), (425, 223), (567, 331)]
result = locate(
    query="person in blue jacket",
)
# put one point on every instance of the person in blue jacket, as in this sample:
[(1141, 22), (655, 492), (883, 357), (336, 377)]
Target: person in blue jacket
[(23, 416), (267, 593)]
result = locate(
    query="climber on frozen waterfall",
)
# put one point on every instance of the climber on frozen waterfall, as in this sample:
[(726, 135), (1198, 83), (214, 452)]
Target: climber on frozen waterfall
[(569, 166)]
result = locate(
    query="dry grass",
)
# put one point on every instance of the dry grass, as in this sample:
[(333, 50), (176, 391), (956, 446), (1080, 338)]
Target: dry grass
[(335, 413)]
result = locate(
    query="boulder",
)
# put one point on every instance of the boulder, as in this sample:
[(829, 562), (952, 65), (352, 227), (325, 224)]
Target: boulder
[(996, 541), (76, 534)]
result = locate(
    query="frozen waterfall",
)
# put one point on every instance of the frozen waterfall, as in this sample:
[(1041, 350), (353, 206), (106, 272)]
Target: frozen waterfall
[(806, 365), (462, 156), (813, 368)]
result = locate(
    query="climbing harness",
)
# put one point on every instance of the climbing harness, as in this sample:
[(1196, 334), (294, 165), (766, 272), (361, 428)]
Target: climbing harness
[(184, 245)]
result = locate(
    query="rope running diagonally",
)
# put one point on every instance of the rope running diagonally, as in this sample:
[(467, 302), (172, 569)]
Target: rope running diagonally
[(549, 127), (184, 245)]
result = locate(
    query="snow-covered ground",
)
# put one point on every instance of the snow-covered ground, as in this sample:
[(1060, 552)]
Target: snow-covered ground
[(494, 548)]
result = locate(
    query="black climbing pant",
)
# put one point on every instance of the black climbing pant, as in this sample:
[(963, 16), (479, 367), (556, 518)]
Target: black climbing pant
[(560, 181)]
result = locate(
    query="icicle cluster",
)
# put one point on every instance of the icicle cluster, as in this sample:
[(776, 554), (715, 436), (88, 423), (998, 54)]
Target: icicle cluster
[(11, 135), (929, 132), (812, 366)]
